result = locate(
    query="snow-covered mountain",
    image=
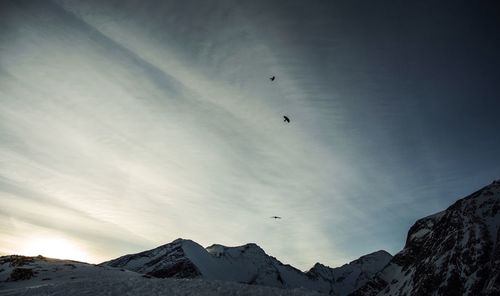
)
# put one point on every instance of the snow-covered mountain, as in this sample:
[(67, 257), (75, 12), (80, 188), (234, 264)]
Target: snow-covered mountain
[(28, 276), (453, 252), (349, 277), (248, 264)]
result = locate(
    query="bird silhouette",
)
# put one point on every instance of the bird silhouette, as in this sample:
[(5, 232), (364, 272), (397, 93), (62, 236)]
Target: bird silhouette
[(272, 78), (276, 217), (286, 119)]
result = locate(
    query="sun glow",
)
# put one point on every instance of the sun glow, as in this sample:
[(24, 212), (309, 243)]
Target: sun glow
[(53, 248)]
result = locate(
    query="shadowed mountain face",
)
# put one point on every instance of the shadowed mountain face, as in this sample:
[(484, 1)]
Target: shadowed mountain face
[(249, 264), (454, 252)]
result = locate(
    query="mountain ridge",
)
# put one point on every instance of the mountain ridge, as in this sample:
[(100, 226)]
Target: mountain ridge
[(249, 263)]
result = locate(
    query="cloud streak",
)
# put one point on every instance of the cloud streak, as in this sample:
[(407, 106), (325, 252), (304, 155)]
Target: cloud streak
[(126, 126)]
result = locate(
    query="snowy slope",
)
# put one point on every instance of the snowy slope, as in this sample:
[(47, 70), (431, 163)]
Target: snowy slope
[(454, 252), (63, 277), (247, 264), (20, 273)]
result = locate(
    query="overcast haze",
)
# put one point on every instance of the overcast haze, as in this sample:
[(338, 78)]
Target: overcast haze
[(127, 124)]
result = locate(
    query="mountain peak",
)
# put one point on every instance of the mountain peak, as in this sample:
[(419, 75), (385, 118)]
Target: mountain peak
[(349, 277), (220, 250), (180, 241), (319, 265), (173, 259)]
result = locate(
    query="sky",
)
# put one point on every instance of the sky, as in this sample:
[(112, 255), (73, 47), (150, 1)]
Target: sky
[(127, 124)]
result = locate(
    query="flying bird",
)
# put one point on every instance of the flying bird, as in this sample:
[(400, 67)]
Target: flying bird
[(276, 217), (272, 78), (286, 119)]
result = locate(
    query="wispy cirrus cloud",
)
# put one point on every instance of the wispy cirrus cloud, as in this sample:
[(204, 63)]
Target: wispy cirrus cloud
[(127, 126)]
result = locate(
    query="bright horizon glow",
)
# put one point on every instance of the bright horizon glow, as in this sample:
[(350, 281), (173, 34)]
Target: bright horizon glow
[(57, 248)]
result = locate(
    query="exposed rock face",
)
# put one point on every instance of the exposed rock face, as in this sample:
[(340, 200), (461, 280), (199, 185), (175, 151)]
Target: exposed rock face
[(169, 260), (248, 264), (454, 252)]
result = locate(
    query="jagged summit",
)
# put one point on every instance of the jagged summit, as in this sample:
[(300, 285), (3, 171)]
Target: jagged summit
[(371, 257)]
